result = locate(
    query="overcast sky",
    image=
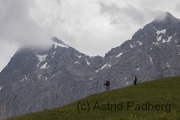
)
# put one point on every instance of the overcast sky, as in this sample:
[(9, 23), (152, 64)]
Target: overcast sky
[(91, 26)]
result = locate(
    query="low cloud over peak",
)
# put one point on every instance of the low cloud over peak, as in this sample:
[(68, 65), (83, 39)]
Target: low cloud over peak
[(17, 26)]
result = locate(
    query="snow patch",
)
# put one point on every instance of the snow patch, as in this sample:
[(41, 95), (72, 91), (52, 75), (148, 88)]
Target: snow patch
[(44, 66), (168, 65), (76, 62), (41, 58), (169, 40), (140, 43), (90, 78), (25, 78), (137, 68), (151, 59), (159, 38), (109, 65), (78, 56), (131, 45), (161, 31), (164, 41), (39, 76), (119, 54), (54, 52), (1, 87), (52, 76), (22, 80), (155, 43), (104, 66), (87, 62), (60, 45)]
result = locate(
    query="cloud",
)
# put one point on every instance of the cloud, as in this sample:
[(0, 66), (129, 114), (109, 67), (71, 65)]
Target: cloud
[(58, 2), (7, 50), (177, 7), (161, 17), (122, 15), (91, 26), (16, 25)]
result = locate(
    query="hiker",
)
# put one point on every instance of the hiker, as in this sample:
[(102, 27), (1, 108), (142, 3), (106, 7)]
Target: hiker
[(107, 84), (135, 80)]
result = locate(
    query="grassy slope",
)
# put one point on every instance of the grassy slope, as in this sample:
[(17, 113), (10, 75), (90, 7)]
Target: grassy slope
[(162, 91)]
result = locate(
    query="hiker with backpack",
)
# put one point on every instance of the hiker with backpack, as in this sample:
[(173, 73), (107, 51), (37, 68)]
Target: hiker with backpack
[(107, 84), (135, 80)]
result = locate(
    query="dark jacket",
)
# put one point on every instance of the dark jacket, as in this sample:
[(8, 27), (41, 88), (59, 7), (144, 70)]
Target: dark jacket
[(107, 83), (135, 79)]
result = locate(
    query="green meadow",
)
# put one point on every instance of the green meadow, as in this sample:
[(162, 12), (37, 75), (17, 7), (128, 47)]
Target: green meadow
[(153, 100)]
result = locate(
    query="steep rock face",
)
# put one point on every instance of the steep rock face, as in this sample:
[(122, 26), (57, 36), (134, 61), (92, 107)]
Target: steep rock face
[(153, 52), (37, 79)]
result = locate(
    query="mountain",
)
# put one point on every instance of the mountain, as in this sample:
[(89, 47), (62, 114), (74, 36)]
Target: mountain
[(37, 79), (150, 93), (153, 52)]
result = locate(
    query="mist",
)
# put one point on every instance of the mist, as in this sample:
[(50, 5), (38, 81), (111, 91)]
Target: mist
[(16, 26)]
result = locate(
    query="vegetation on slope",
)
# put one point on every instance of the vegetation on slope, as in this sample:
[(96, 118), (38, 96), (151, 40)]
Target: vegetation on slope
[(153, 100)]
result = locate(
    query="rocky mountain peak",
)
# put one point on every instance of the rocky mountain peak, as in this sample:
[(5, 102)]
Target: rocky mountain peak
[(166, 17), (56, 40)]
